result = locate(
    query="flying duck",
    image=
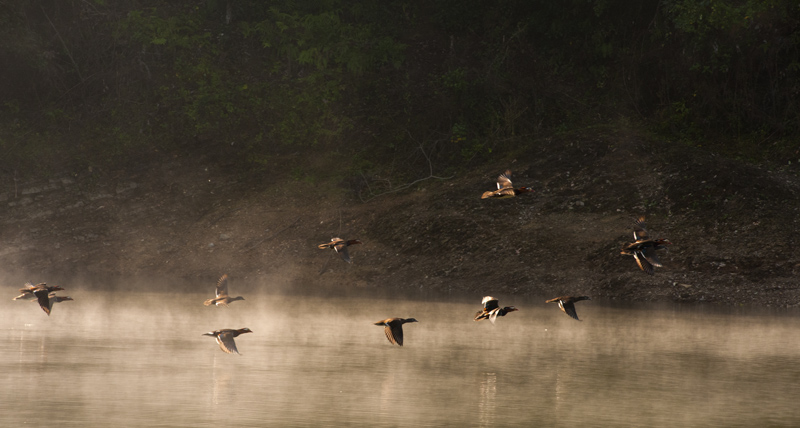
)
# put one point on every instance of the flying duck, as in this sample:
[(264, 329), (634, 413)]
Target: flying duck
[(222, 298), (504, 188), (643, 249), (29, 289), (51, 300), (393, 327), (567, 304), (492, 310), (340, 246), (41, 292), (225, 338)]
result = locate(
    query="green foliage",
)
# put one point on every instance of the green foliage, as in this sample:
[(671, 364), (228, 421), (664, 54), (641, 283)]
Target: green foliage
[(398, 86), (738, 58), (308, 57)]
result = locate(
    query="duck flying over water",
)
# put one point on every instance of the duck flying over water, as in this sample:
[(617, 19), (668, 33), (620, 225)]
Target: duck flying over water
[(567, 304), (222, 298), (225, 338), (643, 249), (29, 289), (393, 327), (51, 300), (41, 292), (340, 246), (505, 189), (492, 310)]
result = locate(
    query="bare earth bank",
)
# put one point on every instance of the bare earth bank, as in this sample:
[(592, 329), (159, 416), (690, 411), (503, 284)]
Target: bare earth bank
[(188, 220)]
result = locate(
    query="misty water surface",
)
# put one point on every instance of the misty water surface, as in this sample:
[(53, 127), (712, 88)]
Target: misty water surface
[(102, 360)]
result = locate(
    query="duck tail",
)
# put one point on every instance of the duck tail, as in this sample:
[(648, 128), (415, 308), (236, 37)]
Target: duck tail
[(209, 302)]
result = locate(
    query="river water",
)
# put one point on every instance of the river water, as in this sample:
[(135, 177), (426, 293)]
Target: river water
[(102, 360)]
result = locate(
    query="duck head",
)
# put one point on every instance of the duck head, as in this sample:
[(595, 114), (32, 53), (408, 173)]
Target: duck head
[(662, 244)]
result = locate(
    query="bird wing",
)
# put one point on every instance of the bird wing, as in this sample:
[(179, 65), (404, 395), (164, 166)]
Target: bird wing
[(331, 244), (341, 248), (507, 192), (226, 343), (649, 253), (568, 308), (504, 180), (493, 314), (222, 286), (640, 230), (42, 296), (644, 265), (394, 332), (29, 288), (490, 303)]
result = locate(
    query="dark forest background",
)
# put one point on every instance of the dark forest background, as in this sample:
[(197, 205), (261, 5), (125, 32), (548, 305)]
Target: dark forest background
[(380, 92)]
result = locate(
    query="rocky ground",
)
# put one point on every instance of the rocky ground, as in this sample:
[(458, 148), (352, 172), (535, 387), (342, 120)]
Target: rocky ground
[(185, 220)]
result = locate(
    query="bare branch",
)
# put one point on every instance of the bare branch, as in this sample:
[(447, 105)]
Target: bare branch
[(63, 44), (407, 185)]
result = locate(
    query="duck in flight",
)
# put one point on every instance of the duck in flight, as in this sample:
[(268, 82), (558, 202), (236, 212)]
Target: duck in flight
[(225, 338), (492, 310), (28, 291), (51, 300), (393, 327), (505, 189), (643, 249), (222, 298), (340, 246), (41, 292), (567, 304)]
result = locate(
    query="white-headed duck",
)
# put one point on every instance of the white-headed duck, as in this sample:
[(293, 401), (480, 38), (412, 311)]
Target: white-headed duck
[(505, 189), (492, 310), (643, 249), (340, 246)]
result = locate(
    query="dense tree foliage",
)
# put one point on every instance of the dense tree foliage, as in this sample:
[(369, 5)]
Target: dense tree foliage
[(394, 86)]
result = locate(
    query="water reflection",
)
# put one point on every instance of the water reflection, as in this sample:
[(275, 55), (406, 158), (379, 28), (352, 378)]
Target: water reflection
[(146, 363), (221, 384), (486, 407)]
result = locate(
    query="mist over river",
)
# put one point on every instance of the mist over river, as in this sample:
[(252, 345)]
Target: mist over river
[(140, 359)]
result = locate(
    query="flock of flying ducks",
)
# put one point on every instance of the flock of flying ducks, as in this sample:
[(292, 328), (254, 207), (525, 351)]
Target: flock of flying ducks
[(643, 250), (43, 294)]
